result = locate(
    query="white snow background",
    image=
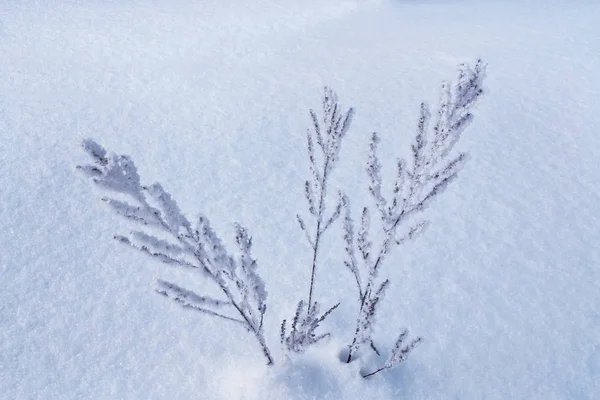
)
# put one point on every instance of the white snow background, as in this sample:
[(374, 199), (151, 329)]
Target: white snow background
[(211, 99)]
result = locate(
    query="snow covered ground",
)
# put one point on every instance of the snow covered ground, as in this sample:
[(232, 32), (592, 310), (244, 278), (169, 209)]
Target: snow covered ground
[(211, 98)]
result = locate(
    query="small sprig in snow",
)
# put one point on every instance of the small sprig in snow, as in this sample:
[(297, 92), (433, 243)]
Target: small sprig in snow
[(327, 138), (398, 353), (193, 247), (304, 324), (417, 183), (324, 141), (189, 299), (250, 285)]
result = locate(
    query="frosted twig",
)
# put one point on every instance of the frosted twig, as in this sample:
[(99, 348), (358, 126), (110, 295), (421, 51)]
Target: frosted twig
[(431, 170), (197, 248), (323, 147)]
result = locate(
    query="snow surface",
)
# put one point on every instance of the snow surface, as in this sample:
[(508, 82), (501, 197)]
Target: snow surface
[(211, 98)]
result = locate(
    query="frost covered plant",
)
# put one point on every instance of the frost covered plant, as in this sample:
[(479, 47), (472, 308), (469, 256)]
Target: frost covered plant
[(432, 167), (166, 235), (302, 331), (192, 246), (324, 141)]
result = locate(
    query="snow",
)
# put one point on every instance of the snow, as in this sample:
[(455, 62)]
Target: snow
[(211, 99)]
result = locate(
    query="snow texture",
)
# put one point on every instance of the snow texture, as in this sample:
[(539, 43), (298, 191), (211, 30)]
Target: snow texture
[(211, 99)]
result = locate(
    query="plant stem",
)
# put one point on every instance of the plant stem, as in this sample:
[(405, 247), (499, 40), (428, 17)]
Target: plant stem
[(364, 297), (257, 334), (314, 264), (318, 233), (373, 373), (403, 215)]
